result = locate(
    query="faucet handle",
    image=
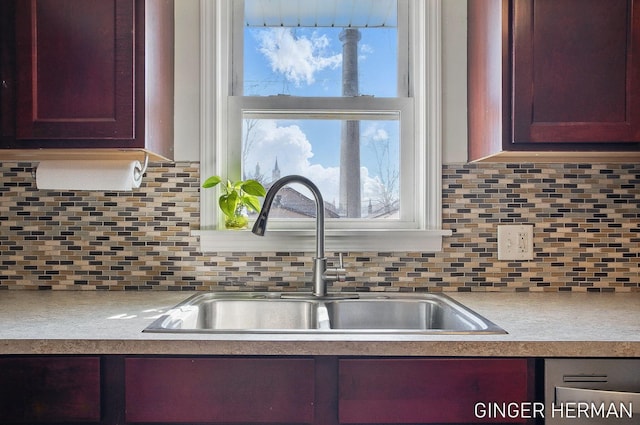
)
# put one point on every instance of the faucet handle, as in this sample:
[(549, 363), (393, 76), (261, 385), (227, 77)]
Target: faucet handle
[(336, 273)]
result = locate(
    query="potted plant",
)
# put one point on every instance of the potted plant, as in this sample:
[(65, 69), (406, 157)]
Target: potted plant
[(236, 198)]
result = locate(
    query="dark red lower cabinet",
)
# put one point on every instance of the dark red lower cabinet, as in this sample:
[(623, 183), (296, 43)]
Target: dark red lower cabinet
[(429, 391), (323, 390), (49, 389), (220, 390)]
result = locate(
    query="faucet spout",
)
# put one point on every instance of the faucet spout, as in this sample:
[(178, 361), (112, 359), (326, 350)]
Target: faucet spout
[(319, 261)]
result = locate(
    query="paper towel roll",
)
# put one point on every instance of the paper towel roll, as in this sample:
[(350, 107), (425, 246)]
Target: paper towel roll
[(88, 175)]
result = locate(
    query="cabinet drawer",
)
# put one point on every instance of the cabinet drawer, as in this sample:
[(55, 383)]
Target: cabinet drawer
[(427, 390), (49, 389), (228, 390)]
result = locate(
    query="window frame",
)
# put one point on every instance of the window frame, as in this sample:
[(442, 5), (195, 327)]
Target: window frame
[(334, 108), (423, 233)]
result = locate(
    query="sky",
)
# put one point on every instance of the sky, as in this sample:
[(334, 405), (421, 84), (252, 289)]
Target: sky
[(308, 62)]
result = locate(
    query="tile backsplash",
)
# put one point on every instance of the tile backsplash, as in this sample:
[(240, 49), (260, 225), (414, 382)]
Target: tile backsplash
[(586, 222)]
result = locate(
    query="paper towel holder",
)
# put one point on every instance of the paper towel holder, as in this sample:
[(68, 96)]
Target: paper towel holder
[(137, 172)]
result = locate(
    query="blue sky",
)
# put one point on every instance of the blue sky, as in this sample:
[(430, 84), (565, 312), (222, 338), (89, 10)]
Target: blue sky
[(308, 62)]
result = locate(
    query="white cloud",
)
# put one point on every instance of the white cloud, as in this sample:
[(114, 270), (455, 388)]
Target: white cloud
[(298, 59), (365, 51), (370, 186), (373, 133), (380, 135)]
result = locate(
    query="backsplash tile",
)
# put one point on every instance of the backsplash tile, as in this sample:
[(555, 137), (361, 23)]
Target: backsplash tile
[(586, 222)]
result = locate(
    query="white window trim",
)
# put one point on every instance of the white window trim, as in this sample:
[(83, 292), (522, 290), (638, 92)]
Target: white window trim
[(215, 85)]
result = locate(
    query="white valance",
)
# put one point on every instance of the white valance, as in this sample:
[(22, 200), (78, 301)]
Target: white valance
[(321, 13)]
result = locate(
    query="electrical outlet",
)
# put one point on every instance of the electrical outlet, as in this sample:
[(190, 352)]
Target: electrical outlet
[(515, 242)]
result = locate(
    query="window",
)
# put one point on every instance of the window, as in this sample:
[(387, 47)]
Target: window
[(344, 92)]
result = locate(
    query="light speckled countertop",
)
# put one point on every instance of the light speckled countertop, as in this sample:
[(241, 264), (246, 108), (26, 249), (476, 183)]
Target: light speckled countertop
[(538, 325)]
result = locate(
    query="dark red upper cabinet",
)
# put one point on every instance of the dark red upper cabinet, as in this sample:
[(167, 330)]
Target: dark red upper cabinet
[(94, 74), (77, 69), (553, 75), (576, 71)]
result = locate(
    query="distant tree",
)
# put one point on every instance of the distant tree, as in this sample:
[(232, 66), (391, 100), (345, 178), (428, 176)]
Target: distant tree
[(388, 175), (247, 143)]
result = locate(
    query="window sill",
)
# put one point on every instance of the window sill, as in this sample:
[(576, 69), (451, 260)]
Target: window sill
[(335, 240)]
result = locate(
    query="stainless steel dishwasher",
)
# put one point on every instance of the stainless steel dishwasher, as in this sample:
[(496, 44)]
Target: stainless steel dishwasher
[(592, 391)]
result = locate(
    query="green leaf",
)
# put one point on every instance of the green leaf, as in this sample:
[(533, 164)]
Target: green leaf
[(237, 193), (229, 203), (253, 187), (211, 182), (251, 202)]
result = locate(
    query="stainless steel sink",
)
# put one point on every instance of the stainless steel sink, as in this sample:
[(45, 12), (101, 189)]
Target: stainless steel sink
[(212, 312), (406, 314), (294, 313)]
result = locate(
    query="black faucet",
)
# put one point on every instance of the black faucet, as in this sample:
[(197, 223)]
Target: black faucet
[(321, 275)]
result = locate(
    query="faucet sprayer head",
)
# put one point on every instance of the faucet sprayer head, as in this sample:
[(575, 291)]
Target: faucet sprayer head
[(260, 225)]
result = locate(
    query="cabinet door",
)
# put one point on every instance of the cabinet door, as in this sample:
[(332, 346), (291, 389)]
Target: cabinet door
[(222, 390), (395, 391), (7, 71), (576, 71), (76, 62), (49, 389)]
